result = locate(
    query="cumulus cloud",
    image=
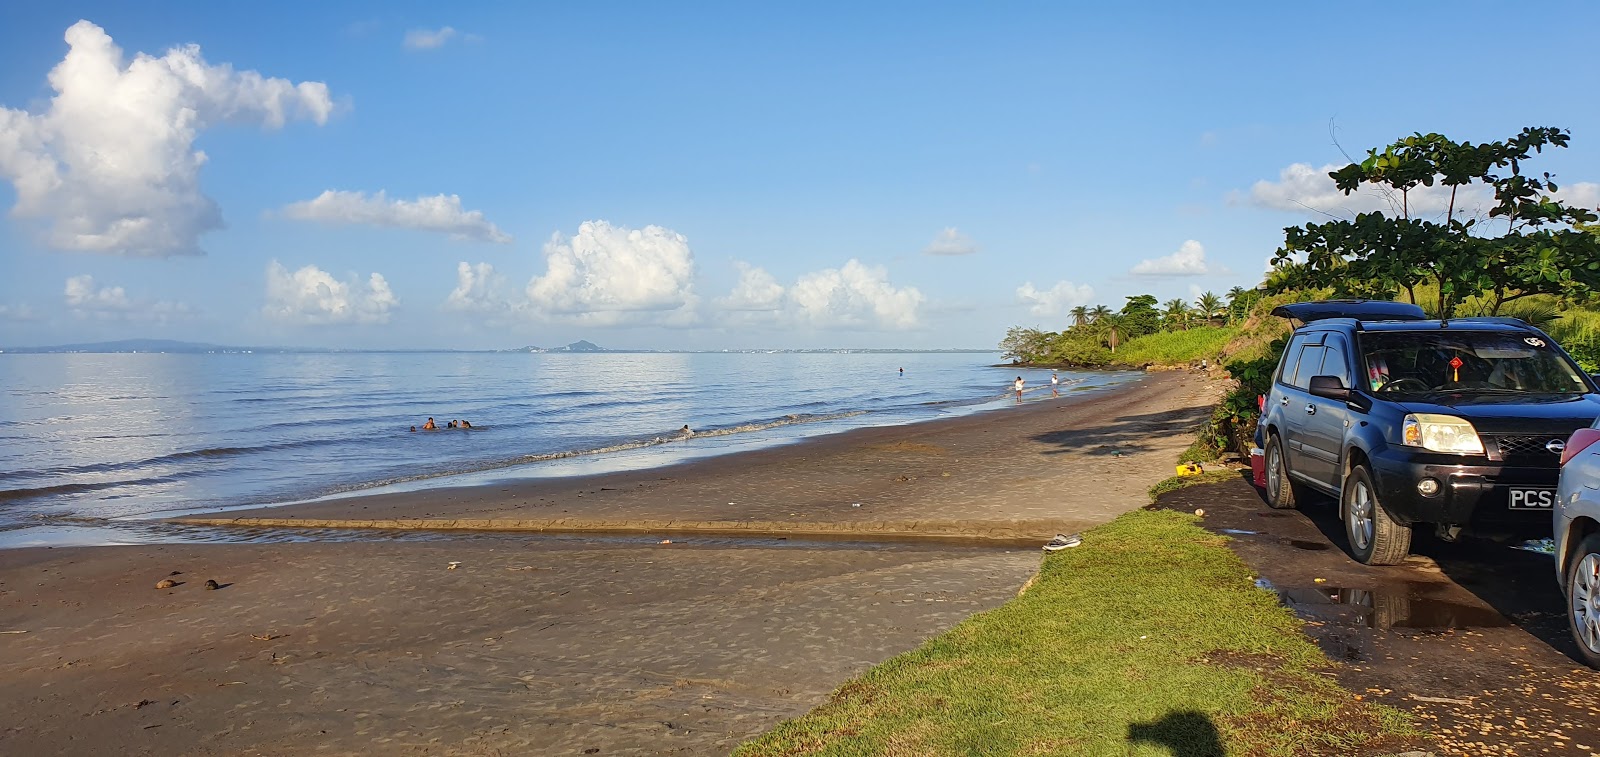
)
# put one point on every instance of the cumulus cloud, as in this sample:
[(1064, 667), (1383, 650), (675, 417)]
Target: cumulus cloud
[(86, 299), (951, 242), (441, 213), (433, 39), (311, 295), (1189, 260), (478, 289), (1582, 194), (109, 164), (611, 275), (1057, 299), (853, 295)]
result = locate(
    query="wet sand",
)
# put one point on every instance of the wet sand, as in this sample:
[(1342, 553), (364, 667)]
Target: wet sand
[(547, 646)]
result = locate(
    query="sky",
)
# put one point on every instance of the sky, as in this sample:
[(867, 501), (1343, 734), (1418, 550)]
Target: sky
[(711, 175)]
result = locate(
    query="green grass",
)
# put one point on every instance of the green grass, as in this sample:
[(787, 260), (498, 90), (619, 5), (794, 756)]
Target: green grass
[(1149, 639), (1201, 451), (1179, 482), (1175, 347)]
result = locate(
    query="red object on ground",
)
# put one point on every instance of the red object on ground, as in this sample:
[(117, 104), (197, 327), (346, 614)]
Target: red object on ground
[(1580, 440), (1258, 467)]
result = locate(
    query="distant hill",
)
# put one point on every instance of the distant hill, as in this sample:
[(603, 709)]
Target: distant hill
[(581, 345)]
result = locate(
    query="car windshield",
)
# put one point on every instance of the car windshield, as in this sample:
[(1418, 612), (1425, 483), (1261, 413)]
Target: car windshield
[(1467, 361)]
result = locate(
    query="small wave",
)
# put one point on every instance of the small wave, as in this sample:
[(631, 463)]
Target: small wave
[(178, 457), (12, 495)]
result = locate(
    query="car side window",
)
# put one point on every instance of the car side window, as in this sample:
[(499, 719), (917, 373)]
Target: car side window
[(1291, 360), (1334, 362), (1310, 363)]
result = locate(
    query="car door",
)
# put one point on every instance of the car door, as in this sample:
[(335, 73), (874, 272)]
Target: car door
[(1295, 399), (1324, 420)]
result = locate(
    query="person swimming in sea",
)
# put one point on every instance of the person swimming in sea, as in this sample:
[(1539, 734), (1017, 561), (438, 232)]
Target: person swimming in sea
[(429, 426), (451, 424), (686, 431), (466, 424)]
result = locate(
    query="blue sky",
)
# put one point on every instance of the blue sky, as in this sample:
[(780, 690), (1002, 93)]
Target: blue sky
[(706, 176)]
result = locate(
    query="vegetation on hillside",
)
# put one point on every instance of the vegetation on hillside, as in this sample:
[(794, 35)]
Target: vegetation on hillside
[(1143, 332)]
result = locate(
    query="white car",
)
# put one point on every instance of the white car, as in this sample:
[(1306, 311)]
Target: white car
[(1577, 535)]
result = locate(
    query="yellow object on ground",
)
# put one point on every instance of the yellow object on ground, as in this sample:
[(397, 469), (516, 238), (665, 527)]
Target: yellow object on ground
[(1189, 469)]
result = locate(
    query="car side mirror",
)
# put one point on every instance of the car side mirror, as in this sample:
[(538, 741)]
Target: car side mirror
[(1329, 387)]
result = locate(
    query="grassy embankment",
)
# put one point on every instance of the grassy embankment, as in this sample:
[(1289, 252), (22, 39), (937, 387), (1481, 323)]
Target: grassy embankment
[(1150, 639), (1175, 348)]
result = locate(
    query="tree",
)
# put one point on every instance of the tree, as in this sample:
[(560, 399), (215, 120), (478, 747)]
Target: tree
[(1024, 345), (1114, 330), (1209, 304), (1378, 255), (1099, 313), (1140, 317), (1080, 316), (1176, 314)]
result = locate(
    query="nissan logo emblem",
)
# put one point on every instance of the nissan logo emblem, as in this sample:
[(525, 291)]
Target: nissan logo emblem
[(1556, 446)]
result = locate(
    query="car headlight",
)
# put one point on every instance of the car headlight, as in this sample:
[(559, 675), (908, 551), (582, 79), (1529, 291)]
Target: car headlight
[(1441, 433)]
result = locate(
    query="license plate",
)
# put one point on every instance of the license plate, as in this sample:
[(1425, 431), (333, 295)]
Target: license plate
[(1531, 499)]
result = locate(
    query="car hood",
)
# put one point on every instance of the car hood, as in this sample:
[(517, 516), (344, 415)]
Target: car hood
[(1514, 414)]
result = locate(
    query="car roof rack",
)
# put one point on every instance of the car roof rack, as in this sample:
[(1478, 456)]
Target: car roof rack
[(1360, 310)]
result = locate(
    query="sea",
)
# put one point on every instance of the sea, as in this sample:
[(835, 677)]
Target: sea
[(98, 448)]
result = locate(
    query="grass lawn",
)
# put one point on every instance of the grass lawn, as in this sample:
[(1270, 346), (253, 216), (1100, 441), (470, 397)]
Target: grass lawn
[(1150, 639), (1175, 347)]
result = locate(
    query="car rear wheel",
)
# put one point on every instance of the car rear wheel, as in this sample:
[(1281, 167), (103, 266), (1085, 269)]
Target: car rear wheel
[(1375, 537), (1282, 492), (1583, 599)]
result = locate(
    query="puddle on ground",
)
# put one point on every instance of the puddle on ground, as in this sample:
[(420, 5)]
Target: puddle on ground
[(1404, 606), (1238, 532)]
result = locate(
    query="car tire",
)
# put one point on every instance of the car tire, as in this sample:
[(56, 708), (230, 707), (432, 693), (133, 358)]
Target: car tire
[(1375, 537), (1583, 599), (1282, 492)]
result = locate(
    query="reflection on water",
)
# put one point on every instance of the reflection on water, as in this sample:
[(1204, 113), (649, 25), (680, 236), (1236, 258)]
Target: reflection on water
[(114, 436)]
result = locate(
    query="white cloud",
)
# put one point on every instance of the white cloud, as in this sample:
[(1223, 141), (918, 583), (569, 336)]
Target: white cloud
[(757, 291), (854, 295), (611, 275), (442, 213), (1583, 194), (85, 299), (109, 165), (433, 39), (17, 313), (313, 296), (951, 242), (1189, 260), (1057, 299), (478, 289), (1302, 189)]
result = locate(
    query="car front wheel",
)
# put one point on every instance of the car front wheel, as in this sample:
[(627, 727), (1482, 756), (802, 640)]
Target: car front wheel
[(1375, 537), (1583, 599)]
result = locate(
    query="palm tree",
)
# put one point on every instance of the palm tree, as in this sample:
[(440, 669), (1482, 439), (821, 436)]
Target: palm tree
[(1080, 316), (1177, 312), (1099, 313), (1209, 304), (1112, 329), (1237, 297), (1235, 294)]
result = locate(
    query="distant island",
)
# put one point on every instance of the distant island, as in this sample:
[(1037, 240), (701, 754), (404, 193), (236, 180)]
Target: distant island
[(168, 346)]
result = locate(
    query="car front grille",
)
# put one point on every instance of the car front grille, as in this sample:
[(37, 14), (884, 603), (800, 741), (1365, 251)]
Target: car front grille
[(1528, 449)]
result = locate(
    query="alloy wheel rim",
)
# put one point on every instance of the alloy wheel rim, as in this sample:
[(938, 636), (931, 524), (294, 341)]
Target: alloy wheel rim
[(1585, 600), (1358, 516), (1274, 473)]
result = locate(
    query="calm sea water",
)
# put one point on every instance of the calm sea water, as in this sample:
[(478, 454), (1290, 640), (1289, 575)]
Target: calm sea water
[(119, 437)]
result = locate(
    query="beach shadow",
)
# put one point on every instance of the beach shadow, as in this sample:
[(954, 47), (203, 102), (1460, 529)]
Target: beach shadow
[(1129, 433), (1186, 734)]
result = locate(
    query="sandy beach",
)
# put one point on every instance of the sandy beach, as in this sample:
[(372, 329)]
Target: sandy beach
[(604, 645)]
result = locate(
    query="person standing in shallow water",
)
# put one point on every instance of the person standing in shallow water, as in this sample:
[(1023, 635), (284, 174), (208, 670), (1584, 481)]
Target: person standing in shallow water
[(1019, 388), (902, 371), (1055, 385)]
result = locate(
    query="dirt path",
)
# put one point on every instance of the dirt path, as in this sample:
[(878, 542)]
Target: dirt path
[(1468, 637)]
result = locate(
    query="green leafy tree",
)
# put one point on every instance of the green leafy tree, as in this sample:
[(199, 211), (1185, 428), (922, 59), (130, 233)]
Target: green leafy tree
[(1541, 250), (1140, 317), (1114, 330), (1025, 345), (1099, 312)]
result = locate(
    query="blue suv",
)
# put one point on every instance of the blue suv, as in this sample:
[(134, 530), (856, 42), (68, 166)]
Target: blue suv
[(1407, 421)]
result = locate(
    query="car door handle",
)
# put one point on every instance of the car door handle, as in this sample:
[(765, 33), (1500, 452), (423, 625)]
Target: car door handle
[(1285, 402), (1311, 409)]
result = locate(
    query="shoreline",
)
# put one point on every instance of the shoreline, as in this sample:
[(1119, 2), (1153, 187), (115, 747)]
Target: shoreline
[(508, 642)]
